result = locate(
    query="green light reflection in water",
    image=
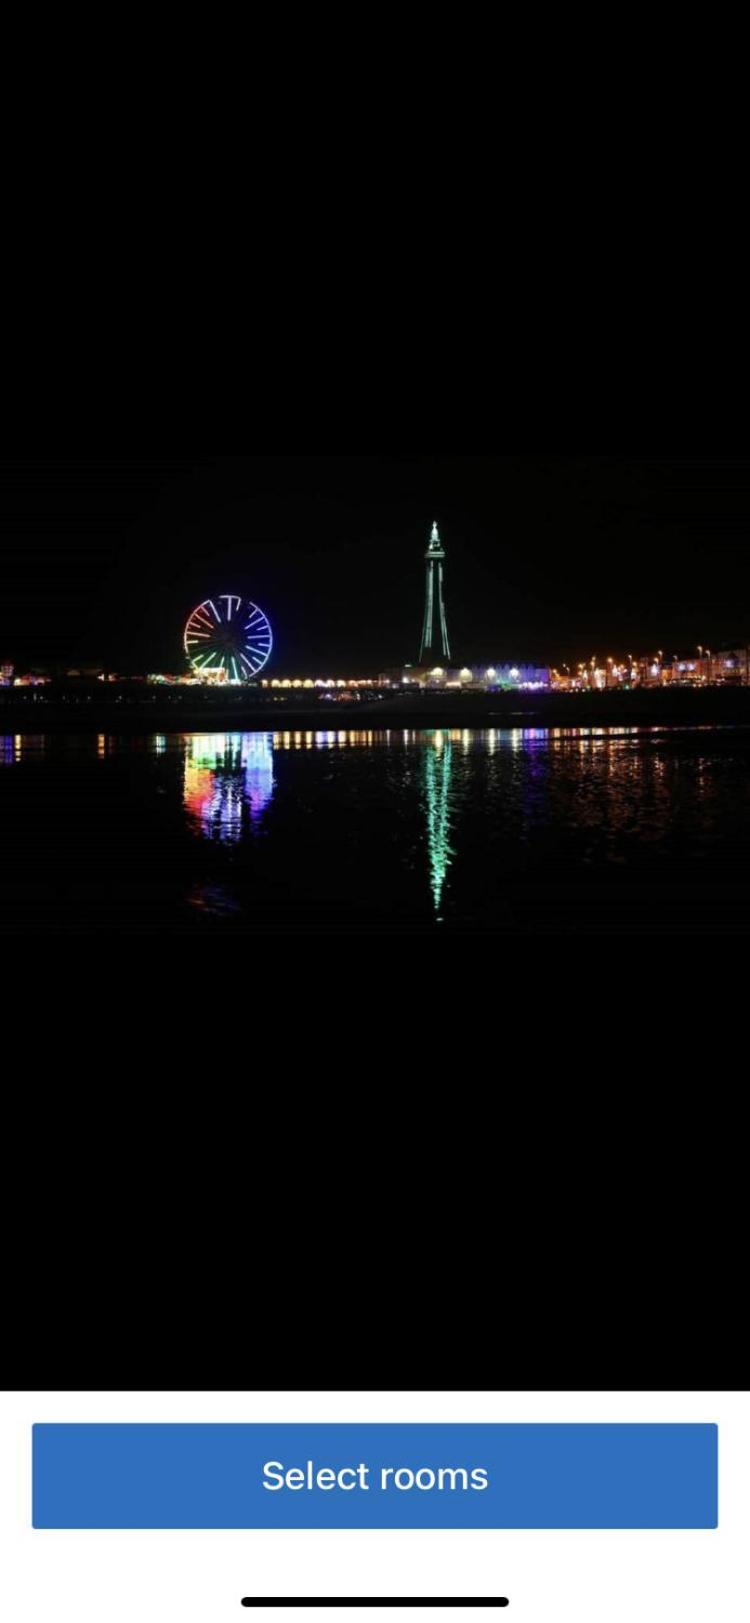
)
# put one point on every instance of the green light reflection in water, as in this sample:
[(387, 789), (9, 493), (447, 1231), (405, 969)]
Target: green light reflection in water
[(437, 777)]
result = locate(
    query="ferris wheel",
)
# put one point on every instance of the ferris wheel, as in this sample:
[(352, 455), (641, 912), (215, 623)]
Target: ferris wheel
[(228, 637)]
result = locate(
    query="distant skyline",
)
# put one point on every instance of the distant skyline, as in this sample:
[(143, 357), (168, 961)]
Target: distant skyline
[(547, 559)]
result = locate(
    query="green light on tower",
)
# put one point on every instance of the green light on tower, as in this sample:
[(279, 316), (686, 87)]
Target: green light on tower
[(434, 647)]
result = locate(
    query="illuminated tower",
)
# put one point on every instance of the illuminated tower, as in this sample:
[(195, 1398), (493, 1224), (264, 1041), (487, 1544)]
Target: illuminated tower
[(435, 631)]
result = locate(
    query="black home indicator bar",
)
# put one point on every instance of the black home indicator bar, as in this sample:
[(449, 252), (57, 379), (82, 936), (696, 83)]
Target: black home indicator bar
[(375, 1600)]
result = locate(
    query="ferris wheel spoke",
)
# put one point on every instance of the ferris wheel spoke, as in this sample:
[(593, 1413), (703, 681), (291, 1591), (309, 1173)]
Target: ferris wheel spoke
[(228, 646)]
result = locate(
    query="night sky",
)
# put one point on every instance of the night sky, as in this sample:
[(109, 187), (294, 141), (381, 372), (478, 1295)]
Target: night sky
[(548, 558)]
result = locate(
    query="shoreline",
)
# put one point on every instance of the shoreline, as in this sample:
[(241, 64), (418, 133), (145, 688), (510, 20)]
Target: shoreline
[(152, 712)]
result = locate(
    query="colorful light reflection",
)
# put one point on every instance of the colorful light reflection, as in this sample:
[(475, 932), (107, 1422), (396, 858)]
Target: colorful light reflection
[(228, 779), (14, 746)]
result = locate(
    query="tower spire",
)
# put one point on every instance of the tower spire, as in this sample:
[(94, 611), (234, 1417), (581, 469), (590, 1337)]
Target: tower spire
[(434, 643)]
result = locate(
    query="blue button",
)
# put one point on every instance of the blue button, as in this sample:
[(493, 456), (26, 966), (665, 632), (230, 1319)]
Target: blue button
[(375, 1476)]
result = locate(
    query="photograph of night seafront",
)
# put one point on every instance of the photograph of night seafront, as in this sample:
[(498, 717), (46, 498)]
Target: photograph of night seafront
[(433, 695)]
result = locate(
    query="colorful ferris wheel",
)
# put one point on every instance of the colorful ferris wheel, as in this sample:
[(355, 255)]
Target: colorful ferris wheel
[(228, 638)]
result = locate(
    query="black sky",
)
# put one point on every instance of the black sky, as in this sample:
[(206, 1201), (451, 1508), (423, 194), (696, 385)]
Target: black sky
[(548, 558)]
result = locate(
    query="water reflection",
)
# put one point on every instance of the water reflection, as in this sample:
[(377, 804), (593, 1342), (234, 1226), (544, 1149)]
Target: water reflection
[(329, 738), (16, 746), (519, 829), (437, 781), (224, 774)]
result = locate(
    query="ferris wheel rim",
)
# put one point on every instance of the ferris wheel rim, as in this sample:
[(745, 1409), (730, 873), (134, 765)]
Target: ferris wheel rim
[(253, 640)]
